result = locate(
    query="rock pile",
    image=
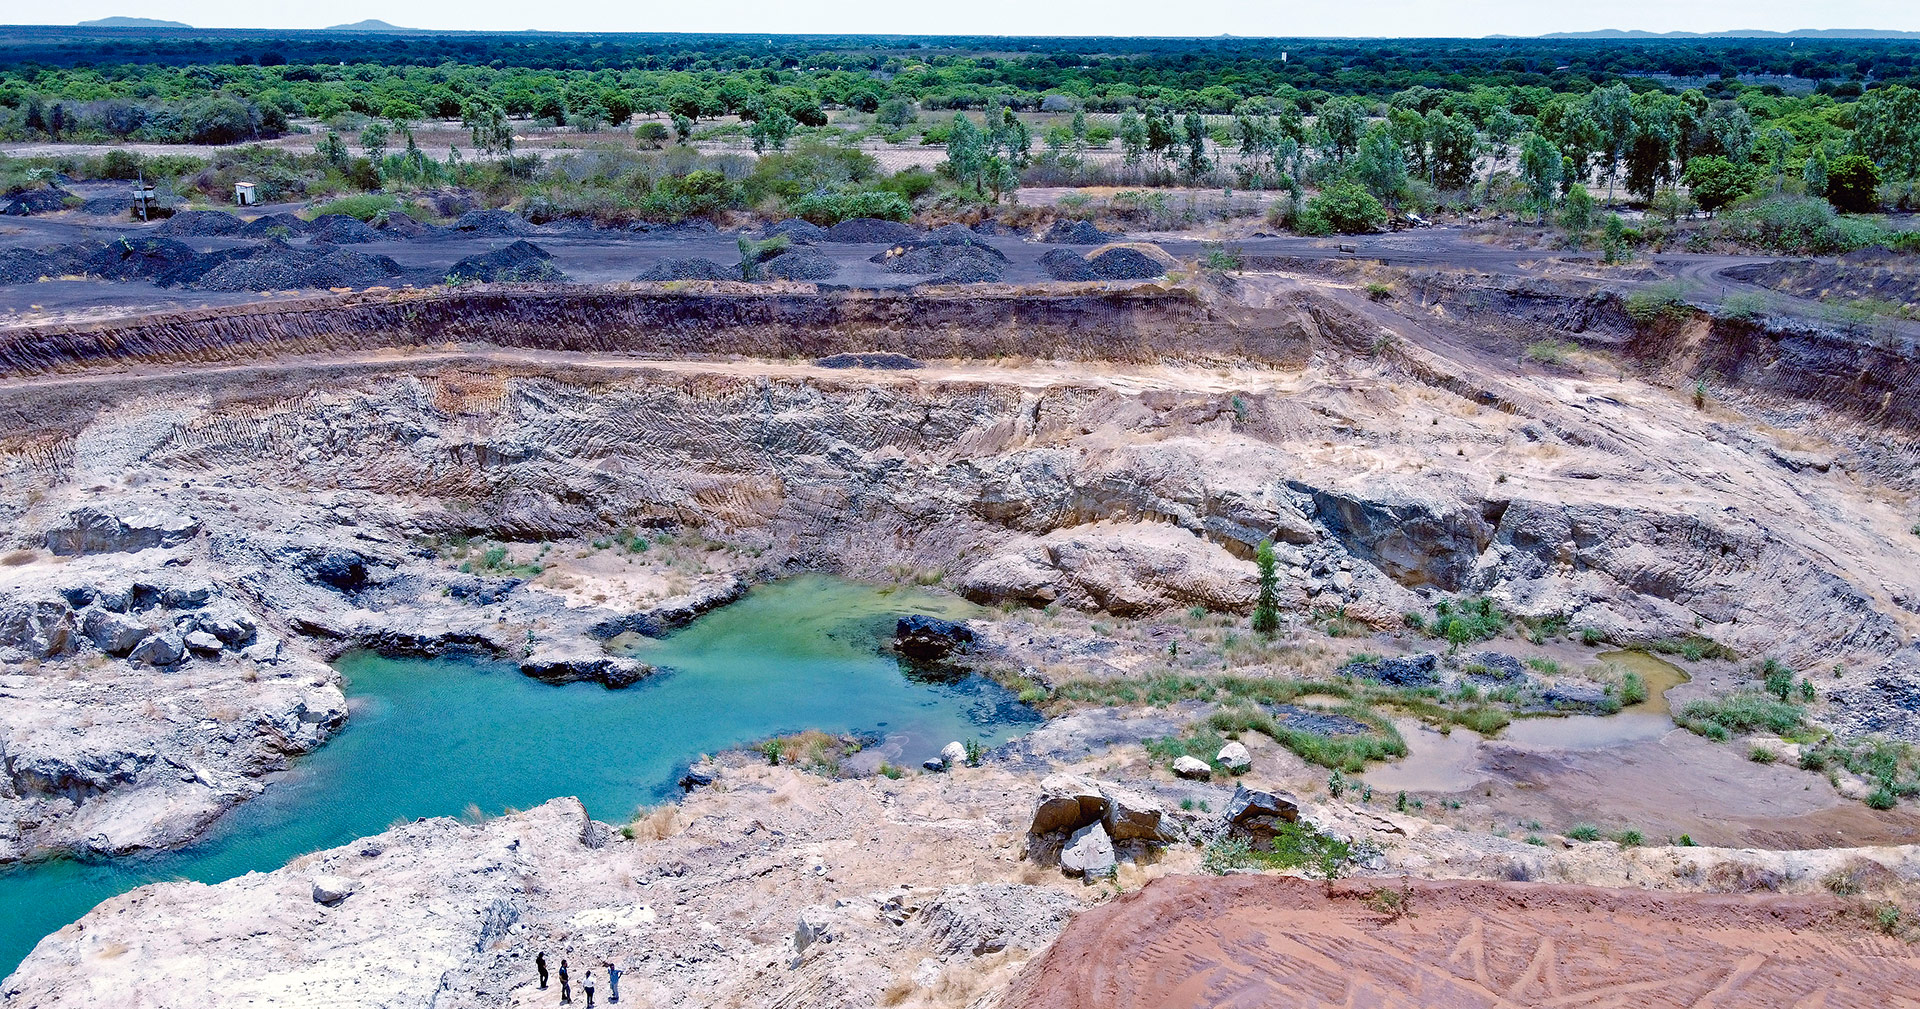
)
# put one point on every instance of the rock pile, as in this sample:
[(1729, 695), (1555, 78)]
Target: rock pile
[(687, 269), (200, 223), (868, 230), (520, 263), (798, 264), (1078, 233)]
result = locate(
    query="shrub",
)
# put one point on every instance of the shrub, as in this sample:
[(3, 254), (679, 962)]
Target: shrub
[(1882, 797), (1656, 302), (1744, 305), (1474, 619), (1853, 184), (1629, 838), (1553, 352), (1777, 678), (1745, 711), (1584, 832), (363, 207), (1799, 225), (1761, 755), (1344, 207), (832, 208)]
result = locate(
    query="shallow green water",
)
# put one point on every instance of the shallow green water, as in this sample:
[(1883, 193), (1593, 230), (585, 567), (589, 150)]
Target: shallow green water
[(430, 737)]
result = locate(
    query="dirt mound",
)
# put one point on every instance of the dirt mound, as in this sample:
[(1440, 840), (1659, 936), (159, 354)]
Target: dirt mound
[(1186, 941), (886, 361), (1079, 233), (868, 229), (274, 266), (339, 229), (107, 206), (1860, 276), (268, 225), (799, 231), (493, 224), (521, 262), (688, 269), (799, 264), (193, 223), (37, 201), (1065, 264)]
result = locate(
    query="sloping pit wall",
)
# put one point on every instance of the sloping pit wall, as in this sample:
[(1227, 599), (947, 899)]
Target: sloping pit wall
[(1137, 325)]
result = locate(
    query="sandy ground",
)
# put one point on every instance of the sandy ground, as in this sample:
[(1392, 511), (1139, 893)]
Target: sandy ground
[(1249, 941)]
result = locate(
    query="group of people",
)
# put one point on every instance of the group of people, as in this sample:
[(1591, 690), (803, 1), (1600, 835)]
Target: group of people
[(586, 980)]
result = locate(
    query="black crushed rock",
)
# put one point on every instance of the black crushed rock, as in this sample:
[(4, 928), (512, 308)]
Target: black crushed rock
[(868, 229), (399, 225), (1065, 264), (273, 266), (521, 262), (688, 269), (987, 227), (339, 229), (935, 258), (881, 360), (1125, 264), (107, 206), (802, 232), (145, 258), (263, 226), (799, 264), (194, 223), (968, 270), (37, 201), (1411, 671), (1495, 665), (1078, 233), (1294, 716), (25, 266), (493, 224)]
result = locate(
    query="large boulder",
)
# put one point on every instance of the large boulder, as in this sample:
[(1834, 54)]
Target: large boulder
[(331, 890), (1248, 806), (113, 633), (1067, 802), (92, 531), (953, 754), (40, 628), (923, 637), (1235, 758), (164, 649), (1132, 816), (1089, 853), (1192, 768)]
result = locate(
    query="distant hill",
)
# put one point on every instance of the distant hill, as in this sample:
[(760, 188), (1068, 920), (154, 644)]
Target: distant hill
[(119, 22), (373, 25), (1739, 33)]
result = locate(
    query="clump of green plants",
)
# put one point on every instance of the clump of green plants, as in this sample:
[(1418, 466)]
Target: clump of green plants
[(1220, 257), (1552, 352), (1379, 291), (1293, 846), (891, 771), (1656, 303), (1584, 832), (1720, 718), (1693, 648), (1761, 755), (1629, 838), (1777, 677), (1476, 618)]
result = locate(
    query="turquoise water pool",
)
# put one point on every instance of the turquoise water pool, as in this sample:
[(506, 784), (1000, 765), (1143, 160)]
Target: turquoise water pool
[(435, 737)]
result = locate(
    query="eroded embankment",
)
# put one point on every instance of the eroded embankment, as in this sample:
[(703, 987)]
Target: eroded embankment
[(1144, 323)]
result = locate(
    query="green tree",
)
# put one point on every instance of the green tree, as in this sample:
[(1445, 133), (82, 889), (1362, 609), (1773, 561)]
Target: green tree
[(1814, 173), (1715, 181), (1340, 125), (1540, 168), (771, 128), (682, 127), (895, 113), (1381, 164), (1576, 209), (333, 150), (966, 153), (1611, 111), (487, 123), (373, 141), (1887, 129), (1266, 609), (1853, 184), (1133, 138), (1196, 163), (1343, 206)]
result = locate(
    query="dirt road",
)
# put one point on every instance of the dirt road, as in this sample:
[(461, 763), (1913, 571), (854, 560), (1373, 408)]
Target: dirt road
[(1259, 941)]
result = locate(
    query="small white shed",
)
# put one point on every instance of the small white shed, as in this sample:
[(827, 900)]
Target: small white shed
[(243, 194)]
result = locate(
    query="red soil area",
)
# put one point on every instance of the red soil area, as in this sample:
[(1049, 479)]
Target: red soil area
[(1267, 941)]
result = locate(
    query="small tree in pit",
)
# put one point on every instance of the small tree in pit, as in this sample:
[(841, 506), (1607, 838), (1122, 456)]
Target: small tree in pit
[(1266, 610)]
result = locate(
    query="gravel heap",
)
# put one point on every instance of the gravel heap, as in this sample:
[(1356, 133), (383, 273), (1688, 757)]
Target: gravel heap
[(802, 232), (799, 264), (1125, 264), (933, 258), (24, 266), (339, 229), (1065, 264), (868, 229), (399, 225), (107, 206), (190, 223), (493, 224), (969, 270), (262, 227), (688, 269), (147, 258), (521, 262), (1079, 233), (274, 266), (875, 359), (37, 201)]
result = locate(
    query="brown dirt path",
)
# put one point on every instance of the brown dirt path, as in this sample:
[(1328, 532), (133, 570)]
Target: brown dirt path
[(1260, 941)]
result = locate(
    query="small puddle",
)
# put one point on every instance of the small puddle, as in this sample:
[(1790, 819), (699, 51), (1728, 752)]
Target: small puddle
[(1659, 675), (1435, 761), (1650, 719)]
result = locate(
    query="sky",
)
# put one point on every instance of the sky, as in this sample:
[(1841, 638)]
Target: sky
[(1430, 18)]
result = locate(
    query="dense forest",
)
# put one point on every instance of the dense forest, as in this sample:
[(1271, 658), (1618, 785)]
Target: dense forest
[(1371, 128)]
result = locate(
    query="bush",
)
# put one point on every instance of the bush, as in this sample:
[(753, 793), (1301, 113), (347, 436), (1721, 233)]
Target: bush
[(1343, 207), (1584, 832), (364, 207), (1655, 302), (1853, 184), (1745, 711), (832, 208), (1474, 619), (1799, 225)]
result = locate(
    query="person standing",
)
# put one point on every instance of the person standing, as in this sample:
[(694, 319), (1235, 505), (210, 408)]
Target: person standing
[(587, 983), (566, 987), (613, 983), (540, 964)]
